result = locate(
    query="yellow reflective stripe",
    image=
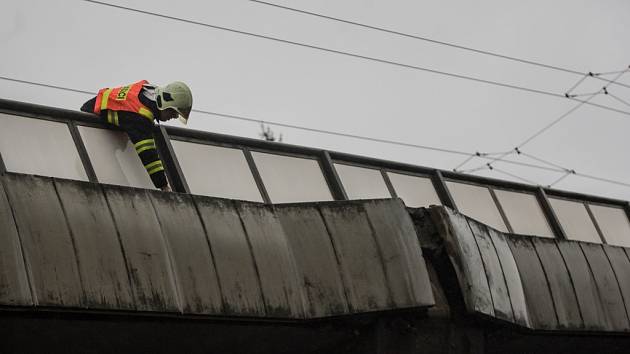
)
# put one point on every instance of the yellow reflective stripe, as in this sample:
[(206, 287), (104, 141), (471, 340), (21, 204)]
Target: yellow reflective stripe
[(144, 145), (144, 142), (157, 169), (112, 117), (145, 113), (153, 164), (145, 148), (105, 98)]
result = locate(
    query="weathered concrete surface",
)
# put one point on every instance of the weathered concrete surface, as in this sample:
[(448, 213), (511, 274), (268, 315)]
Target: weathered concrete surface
[(462, 250), (319, 272), (48, 245), (101, 263), (554, 285), (360, 259), (192, 261), (108, 247), (608, 287), (590, 302), (281, 288), (560, 283), (236, 270), (152, 278), (14, 285)]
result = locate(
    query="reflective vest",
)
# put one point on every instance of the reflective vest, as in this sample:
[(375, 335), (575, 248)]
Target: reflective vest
[(124, 98)]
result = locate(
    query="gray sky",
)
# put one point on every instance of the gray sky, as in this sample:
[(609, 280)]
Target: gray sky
[(81, 45)]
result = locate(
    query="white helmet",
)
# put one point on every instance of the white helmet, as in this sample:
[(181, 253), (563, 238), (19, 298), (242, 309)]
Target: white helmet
[(177, 96)]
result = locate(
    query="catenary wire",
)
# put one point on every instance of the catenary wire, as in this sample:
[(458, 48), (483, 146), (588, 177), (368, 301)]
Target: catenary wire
[(513, 176), (560, 118), (577, 84), (359, 56), (565, 175), (618, 99), (430, 40)]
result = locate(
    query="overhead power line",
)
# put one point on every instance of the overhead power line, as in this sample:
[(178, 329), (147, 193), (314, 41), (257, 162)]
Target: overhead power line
[(435, 41), (359, 56), (550, 125)]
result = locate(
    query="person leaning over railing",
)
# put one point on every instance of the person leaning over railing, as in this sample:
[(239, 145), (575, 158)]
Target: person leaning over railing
[(134, 108)]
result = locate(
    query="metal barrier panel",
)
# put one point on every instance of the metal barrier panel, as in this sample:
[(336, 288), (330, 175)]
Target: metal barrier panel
[(512, 278), (608, 286), (404, 264), (494, 272), (318, 267), (48, 245), (359, 257), (621, 266), (541, 308), (274, 261), (466, 259), (143, 245), (101, 262), (14, 284), (586, 291), (193, 263), (236, 270), (560, 283)]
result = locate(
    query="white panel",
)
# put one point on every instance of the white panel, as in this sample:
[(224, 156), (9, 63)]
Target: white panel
[(39, 147), (477, 202), (575, 220), (415, 191), (291, 179), (362, 183), (114, 158), (216, 171), (524, 213), (614, 224)]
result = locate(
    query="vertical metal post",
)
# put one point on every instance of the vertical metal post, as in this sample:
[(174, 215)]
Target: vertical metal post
[(256, 174), (167, 154), (389, 184), (501, 211), (3, 167), (440, 187), (592, 216), (552, 218), (83, 154), (331, 176)]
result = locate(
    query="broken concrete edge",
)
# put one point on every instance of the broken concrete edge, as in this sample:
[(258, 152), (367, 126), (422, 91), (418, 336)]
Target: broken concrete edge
[(442, 249)]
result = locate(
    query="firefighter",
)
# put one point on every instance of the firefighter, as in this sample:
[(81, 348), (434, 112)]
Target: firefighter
[(134, 108)]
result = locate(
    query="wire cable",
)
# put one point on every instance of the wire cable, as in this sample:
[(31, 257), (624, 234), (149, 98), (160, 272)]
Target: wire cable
[(567, 174), (514, 176), (543, 161), (353, 55), (561, 117), (426, 39), (618, 99)]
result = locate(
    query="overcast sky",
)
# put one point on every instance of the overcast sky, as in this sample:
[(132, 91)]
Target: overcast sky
[(86, 46)]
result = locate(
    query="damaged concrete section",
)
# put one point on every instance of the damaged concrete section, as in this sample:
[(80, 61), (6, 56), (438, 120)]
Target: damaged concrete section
[(69, 244), (532, 282)]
